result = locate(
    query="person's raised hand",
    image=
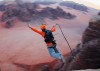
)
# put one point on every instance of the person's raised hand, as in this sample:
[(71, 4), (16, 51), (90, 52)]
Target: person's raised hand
[(29, 25)]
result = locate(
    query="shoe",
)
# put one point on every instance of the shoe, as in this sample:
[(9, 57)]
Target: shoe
[(62, 60)]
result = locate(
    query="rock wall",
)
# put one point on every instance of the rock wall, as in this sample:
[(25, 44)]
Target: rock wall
[(87, 54)]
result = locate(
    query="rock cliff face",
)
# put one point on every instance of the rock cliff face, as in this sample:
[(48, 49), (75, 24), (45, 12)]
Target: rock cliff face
[(93, 30), (87, 54)]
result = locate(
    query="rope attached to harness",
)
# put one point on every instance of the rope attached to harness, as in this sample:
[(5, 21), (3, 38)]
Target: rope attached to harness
[(65, 37)]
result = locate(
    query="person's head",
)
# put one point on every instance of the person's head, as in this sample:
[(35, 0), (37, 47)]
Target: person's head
[(43, 27)]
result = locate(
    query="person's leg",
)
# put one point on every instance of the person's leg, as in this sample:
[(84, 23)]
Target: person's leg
[(55, 53), (55, 49)]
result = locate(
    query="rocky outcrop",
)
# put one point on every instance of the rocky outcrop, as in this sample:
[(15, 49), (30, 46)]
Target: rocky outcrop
[(74, 5), (87, 54), (99, 13), (28, 11), (31, 11), (93, 30), (55, 13), (45, 2), (49, 0)]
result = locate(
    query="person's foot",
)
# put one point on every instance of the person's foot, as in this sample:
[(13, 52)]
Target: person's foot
[(62, 60)]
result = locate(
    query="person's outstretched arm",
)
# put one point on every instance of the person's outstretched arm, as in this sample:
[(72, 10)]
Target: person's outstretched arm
[(34, 29), (53, 29)]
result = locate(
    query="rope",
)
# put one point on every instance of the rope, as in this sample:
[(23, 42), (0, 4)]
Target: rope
[(65, 37)]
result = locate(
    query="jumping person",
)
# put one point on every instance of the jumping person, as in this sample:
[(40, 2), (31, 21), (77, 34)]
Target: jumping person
[(49, 40)]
